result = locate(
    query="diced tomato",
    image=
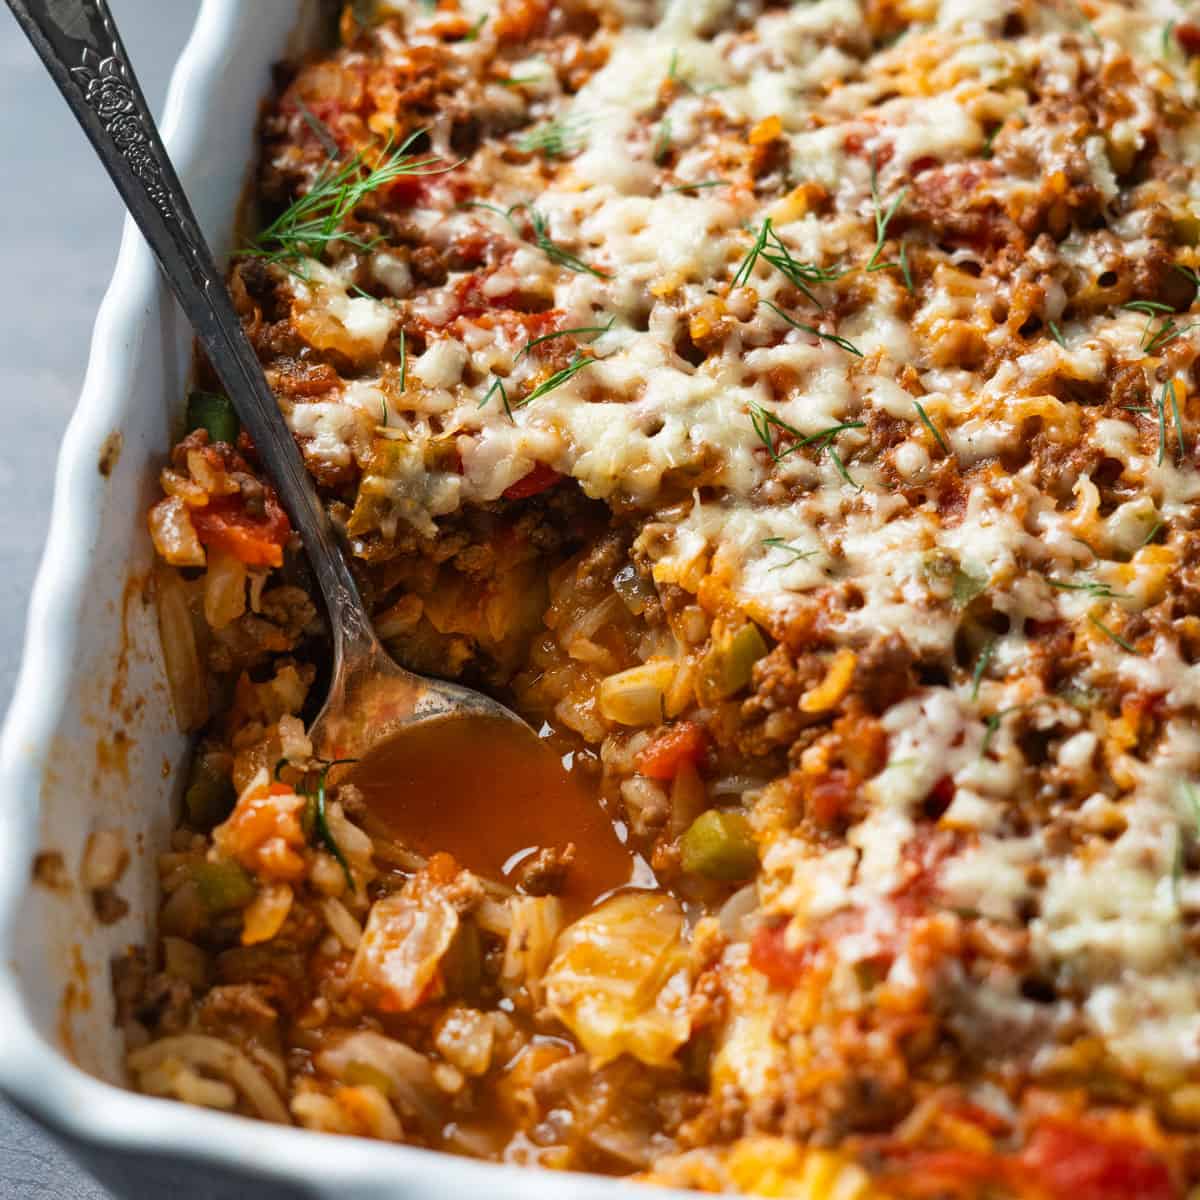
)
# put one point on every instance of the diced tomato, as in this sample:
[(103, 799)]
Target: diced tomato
[(685, 742), (257, 541), (830, 797), (540, 479), (1187, 34), (1072, 1162), (936, 1173), (940, 796), (770, 954)]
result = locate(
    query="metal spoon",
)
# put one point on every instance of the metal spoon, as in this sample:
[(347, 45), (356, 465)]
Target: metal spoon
[(370, 697)]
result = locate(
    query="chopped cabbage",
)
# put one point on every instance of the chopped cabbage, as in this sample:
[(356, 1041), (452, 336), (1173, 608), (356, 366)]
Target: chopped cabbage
[(619, 979)]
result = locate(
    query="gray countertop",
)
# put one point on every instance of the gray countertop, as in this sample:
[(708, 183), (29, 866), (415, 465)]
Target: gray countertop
[(59, 238)]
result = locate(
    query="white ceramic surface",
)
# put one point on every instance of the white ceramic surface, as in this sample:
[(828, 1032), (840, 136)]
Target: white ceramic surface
[(89, 741)]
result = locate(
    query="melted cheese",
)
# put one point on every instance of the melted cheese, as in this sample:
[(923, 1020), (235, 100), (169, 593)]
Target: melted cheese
[(1010, 368)]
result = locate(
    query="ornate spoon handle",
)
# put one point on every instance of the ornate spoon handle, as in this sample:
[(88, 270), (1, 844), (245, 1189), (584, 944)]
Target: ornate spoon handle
[(79, 43)]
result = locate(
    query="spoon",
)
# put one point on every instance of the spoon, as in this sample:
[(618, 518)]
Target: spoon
[(372, 701)]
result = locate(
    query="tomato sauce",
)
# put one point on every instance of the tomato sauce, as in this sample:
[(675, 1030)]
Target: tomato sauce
[(485, 792)]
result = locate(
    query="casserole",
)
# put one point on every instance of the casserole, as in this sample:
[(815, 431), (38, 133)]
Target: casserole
[(890, 619), (89, 726)]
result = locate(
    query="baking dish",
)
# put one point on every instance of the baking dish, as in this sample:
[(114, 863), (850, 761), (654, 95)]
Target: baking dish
[(89, 742)]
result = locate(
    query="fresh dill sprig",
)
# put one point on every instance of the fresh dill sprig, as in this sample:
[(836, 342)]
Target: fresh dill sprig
[(554, 139), (1168, 29), (841, 342), (1162, 423), (662, 140), (319, 818), (769, 246), (1112, 637), (1155, 530), (981, 664), (742, 275), (1056, 334), (882, 220), (1093, 587), (541, 235), (572, 368), (554, 252), (765, 422), (993, 722), (933, 429), (320, 130), (473, 33), (1164, 335), (1192, 795), (1149, 307), (776, 543), (584, 330), (1189, 273), (696, 187), (908, 279), (312, 223), (498, 386), (1169, 386)]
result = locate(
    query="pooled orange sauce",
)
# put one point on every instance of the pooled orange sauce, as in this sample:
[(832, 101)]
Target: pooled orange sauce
[(492, 795)]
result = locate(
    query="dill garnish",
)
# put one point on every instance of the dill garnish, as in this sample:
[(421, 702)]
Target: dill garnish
[(473, 33), (1155, 530), (1162, 423), (981, 663), (841, 342), (572, 368), (770, 247), (1093, 587), (554, 139), (497, 386), (662, 140), (882, 221), (1149, 307), (1169, 385), (1056, 334), (1164, 335), (764, 422), (993, 722), (696, 187), (908, 280), (554, 252), (309, 226), (776, 543), (1113, 637), (320, 130), (541, 235), (1168, 29), (594, 330), (1191, 275), (559, 377), (933, 429), (742, 275), (318, 818)]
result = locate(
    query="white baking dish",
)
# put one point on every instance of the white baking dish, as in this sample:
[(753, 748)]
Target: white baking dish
[(89, 741)]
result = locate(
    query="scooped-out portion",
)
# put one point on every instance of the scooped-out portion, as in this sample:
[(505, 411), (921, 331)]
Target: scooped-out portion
[(788, 408)]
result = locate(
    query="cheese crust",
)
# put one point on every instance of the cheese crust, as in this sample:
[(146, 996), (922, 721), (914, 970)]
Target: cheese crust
[(859, 335)]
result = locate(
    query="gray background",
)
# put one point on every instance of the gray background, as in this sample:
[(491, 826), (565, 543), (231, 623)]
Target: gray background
[(58, 243)]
